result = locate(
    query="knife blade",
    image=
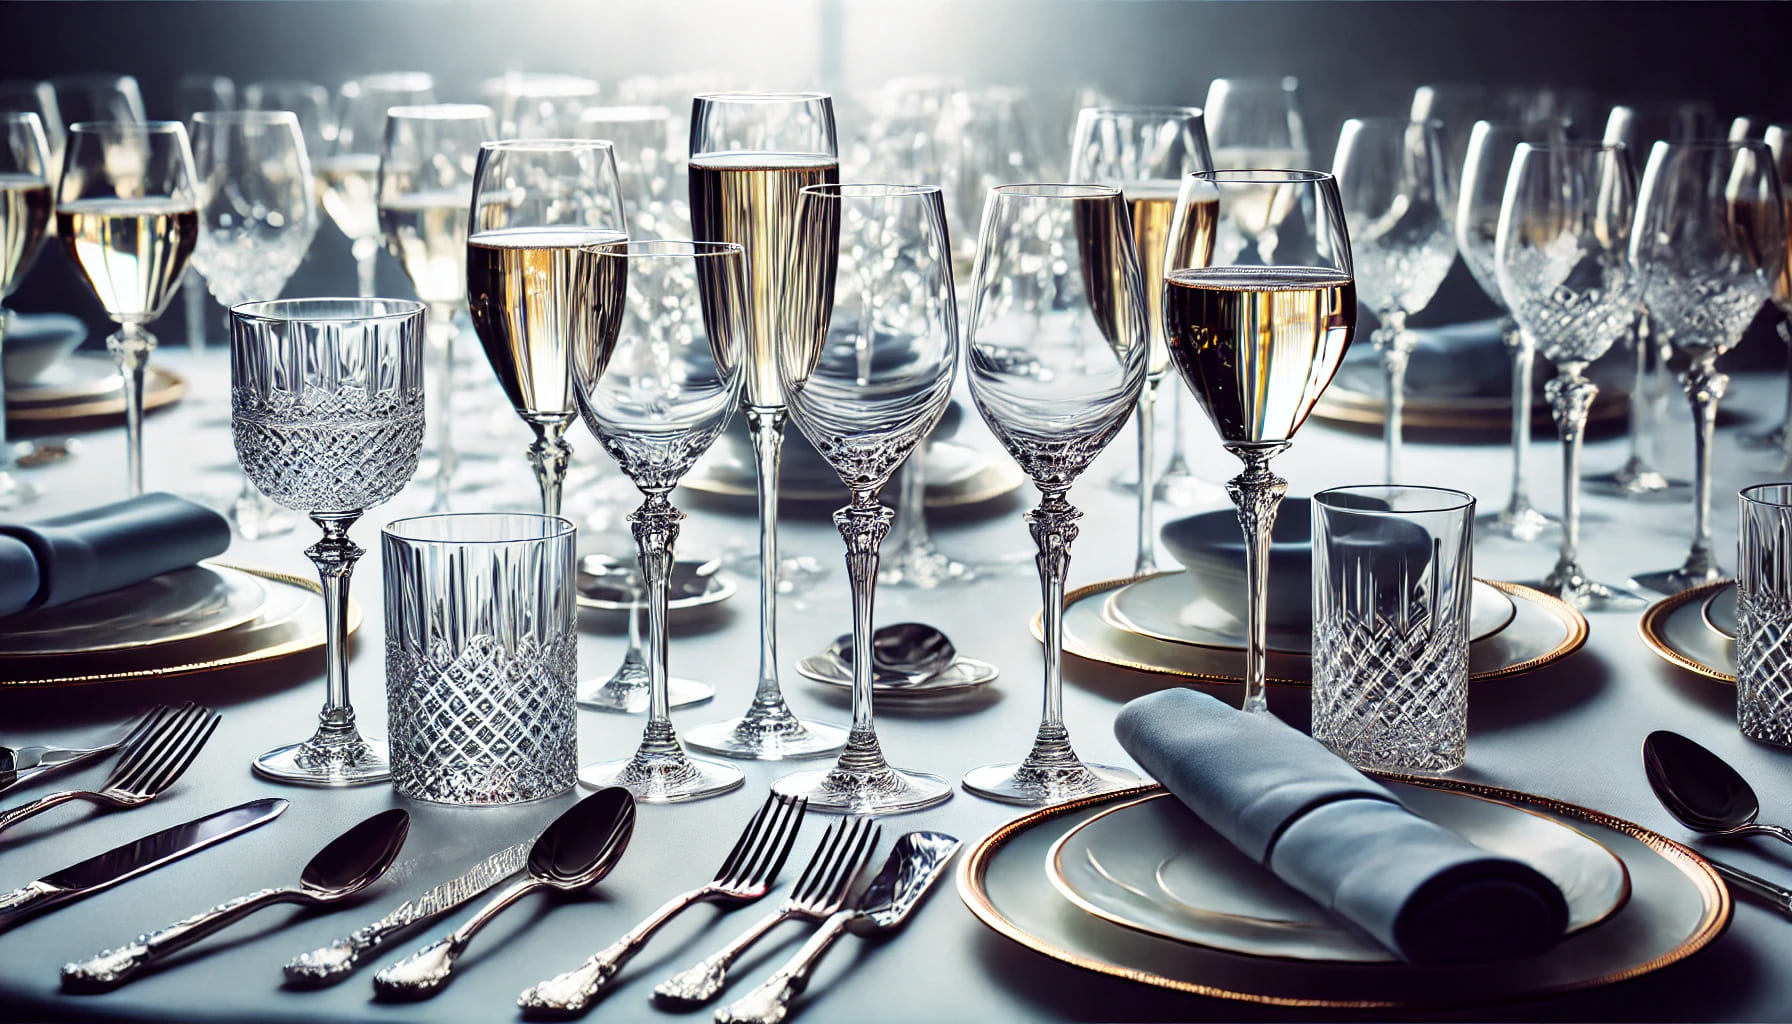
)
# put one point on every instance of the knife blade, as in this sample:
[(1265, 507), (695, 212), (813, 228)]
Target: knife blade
[(330, 964), (101, 872)]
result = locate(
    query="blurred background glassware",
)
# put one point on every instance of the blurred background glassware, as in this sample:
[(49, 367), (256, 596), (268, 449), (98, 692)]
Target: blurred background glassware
[(1564, 266), (1457, 106), (751, 156), (539, 105), (307, 101), (658, 372), (1393, 175), (98, 97), (25, 97), (327, 413), (348, 170), (1392, 571), (653, 189), (628, 690), (482, 657), (993, 144), (1055, 414), (1764, 612), (192, 94), (1779, 139), (1710, 247), (24, 221), (127, 209)]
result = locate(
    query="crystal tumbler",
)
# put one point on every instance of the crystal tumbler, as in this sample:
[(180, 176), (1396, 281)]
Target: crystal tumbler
[(1764, 613)]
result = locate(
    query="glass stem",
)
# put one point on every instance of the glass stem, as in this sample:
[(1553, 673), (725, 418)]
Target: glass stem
[(911, 520), (441, 332), (1396, 348), (1785, 330), (1570, 396), (5, 442), (863, 526), (335, 557), (766, 425), (1258, 493), (1705, 387), (131, 347), (550, 455), (1641, 425), (1178, 464), (1523, 353), (194, 296), (367, 255), (1146, 559), (1053, 525), (655, 526)]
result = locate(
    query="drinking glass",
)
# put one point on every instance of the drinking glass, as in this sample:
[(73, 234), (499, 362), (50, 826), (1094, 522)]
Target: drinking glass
[(1764, 613), (1393, 568), (348, 171), (425, 189), (1090, 342), (22, 97), (1562, 257), (1145, 151), (537, 105), (641, 138), (1394, 179), (751, 156), (192, 94), (1779, 139), (308, 101), (994, 145), (327, 411), (127, 208), (24, 219), (98, 97), (1258, 343), (658, 370), (1710, 245), (866, 363)]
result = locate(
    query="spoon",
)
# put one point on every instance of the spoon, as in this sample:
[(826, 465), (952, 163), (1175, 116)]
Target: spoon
[(613, 579), (351, 862), (1702, 791), (903, 652), (577, 849)]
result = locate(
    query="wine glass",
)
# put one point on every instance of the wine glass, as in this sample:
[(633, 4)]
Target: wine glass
[(537, 105), (327, 411), (1146, 151), (751, 156), (308, 101), (1710, 245), (1779, 139), (424, 189), (995, 144), (659, 367), (22, 97), (127, 208), (348, 170), (1091, 343), (98, 97), (192, 94), (1393, 177), (866, 363), (24, 219), (641, 138), (1258, 342), (1562, 257)]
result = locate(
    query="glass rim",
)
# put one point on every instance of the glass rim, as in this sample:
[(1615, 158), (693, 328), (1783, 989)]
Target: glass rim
[(1458, 500), (266, 310), (440, 112), (245, 116), (1576, 146), (563, 527), (135, 127), (544, 145), (1393, 119), (1260, 176), (626, 112), (1752, 494), (1287, 82), (393, 80), (1142, 109), (20, 117), (652, 248), (1710, 143), (868, 190), (1056, 190), (747, 96)]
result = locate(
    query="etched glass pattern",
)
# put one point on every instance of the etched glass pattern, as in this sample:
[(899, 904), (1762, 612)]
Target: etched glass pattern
[(1764, 606)]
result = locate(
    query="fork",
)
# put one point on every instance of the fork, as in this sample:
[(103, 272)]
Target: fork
[(19, 765), (817, 895), (148, 768), (746, 875)]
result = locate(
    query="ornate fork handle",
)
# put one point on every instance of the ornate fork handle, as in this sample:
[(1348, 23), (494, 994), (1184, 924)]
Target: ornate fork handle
[(44, 803), (700, 984), (571, 993), (424, 972), (114, 967), (770, 1002)]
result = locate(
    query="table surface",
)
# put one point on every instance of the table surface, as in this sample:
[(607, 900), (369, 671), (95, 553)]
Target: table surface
[(1572, 731)]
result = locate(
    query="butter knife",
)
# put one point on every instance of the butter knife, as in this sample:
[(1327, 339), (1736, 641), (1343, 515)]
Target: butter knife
[(332, 963)]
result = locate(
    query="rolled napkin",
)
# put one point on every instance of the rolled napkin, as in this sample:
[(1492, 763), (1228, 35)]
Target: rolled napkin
[(112, 546), (18, 576), (1344, 840)]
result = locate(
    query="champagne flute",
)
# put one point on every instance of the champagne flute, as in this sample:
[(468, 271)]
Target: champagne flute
[(127, 209), (1779, 139), (192, 94), (1091, 342), (1258, 343), (1393, 177), (1710, 245), (751, 156), (24, 218), (348, 171), (537, 105), (99, 97)]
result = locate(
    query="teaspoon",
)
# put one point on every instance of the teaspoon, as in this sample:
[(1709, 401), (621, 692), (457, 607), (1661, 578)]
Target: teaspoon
[(1702, 791)]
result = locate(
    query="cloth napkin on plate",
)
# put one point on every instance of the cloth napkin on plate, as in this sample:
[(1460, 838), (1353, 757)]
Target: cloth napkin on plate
[(1326, 829), (99, 549)]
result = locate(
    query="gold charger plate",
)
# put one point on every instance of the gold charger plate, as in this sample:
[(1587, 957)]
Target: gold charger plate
[(196, 601), (1342, 405), (994, 476), (91, 395), (1675, 629), (1677, 907)]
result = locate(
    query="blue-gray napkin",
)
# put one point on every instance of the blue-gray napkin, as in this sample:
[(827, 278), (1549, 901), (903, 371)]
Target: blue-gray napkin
[(18, 574), (100, 549), (1419, 889)]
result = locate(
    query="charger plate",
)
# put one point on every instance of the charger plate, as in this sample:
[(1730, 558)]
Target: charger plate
[(1677, 907), (1675, 628), (196, 601), (85, 385)]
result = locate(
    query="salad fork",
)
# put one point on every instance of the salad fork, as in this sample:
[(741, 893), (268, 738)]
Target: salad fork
[(19, 765), (147, 768)]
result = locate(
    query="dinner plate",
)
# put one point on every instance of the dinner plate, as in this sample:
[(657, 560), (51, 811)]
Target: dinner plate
[(963, 674), (1153, 866), (693, 585), (1721, 614), (1169, 607), (88, 385), (1675, 629), (175, 606), (957, 476), (1677, 906)]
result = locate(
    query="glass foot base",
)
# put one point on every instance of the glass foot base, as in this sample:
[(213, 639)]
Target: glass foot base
[(356, 762), (923, 568), (1185, 491), (880, 790), (1591, 595), (663, 779), (770, 737), (1777, 438), (1645, 484), (1034, 785), (15, 492), (1520, 522), (626, 697), (1674, 581)]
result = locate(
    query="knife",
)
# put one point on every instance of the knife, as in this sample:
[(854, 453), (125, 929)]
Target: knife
[(332, 963), (96, 874), (915, 863)]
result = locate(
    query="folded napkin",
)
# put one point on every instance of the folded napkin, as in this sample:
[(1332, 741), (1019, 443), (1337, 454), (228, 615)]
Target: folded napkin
[(1324, 828), (112, 546), (18, 575)]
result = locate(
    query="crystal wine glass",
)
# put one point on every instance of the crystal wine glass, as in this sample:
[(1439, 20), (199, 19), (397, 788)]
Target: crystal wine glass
[(99, 97), (1710, 245), (539, 105), (641, 138), (1779, 139), (307, 101), (1258, 342), (751, 156), (348, 171), (327, 412), (21, 97), (192, 94), (1091, 344), (24, 218), (658, 369)]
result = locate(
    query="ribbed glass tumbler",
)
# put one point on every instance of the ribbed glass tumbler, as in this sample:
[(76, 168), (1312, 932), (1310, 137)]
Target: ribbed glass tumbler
[(1764, 614), (1393, 571), (481, 657)]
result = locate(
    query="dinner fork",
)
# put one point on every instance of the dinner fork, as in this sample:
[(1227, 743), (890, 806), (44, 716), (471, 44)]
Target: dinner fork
[(818, 894), (19, 765), (147, 769), (746, 875)]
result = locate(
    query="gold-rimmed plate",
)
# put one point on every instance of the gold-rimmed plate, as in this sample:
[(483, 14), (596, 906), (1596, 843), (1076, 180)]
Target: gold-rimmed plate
[(196, 601), (1721, 613), (88, 386), (958, 476), (1675, 629)]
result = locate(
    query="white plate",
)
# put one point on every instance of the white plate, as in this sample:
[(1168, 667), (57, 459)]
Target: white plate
[(1721, 614), (179, 605)]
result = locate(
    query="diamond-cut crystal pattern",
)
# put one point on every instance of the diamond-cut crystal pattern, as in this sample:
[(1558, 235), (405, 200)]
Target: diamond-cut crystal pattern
[(324, 450), (1764, 613), (1389, 697)]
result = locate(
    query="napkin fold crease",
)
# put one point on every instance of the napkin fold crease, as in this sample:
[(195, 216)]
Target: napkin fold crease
[(99, 549)]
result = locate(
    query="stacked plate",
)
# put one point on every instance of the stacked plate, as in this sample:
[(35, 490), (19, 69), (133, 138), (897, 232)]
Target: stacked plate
[(1696, 630), (84, 386)]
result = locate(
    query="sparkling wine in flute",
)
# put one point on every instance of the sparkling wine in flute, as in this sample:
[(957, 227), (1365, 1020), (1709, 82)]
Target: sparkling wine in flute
[(1153, 206), (345, 189), (427, 232), (24, 214), (132, 251)]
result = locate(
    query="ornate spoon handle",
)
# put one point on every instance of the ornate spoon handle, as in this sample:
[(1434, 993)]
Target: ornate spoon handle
[(333, 962), (770, 1002), (571, 993), (697, 985), (424, 972), (114, 967)]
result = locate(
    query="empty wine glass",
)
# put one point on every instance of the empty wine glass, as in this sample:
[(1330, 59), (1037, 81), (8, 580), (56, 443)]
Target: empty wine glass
[(24, 220), (659, 368), (327, 411), (99, 97), (308, 101), (22, 97), (348, 171), (1710, 245), (192, 94), (1779, 139), (539, 105), (1092, 351), (641, 137), (1394, 179)]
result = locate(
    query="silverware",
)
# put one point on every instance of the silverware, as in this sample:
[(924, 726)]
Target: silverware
[(902, 653), (913, 865), (332, 963), (19, 765), (1776, 896), (746, 875), (1702, 791), (147, 769), (819, 893), (99, 873), (576, 850), (351, 862)]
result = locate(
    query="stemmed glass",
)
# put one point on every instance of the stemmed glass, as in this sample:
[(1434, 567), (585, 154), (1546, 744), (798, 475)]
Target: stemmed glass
[(1779, 139), (1093, 354), (1146, 151), (1710, 245), (1562, 257), (127, 208), (192, 94), (866, 363), (1394, 179), (308, 101), (99, 97), (1257, 335), (751, 156), (658, 368), (536, 105), (327, 411), (20, 97), (24, 218), (642, 140), (348, 171)]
